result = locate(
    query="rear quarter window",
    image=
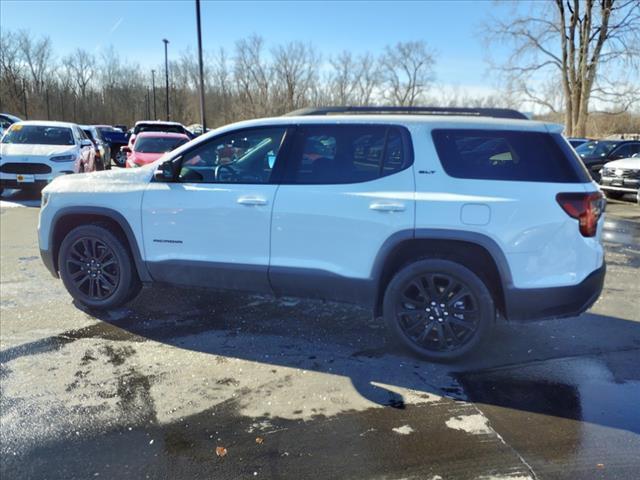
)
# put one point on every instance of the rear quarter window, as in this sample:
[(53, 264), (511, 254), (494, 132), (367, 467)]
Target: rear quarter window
[(507, 155)]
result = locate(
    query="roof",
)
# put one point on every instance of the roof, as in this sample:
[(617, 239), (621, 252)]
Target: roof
[(162, 135), (157, 122), (432, 121), (46, 123), (13, 118)]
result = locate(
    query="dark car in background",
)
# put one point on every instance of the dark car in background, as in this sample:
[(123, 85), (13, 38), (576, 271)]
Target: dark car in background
[(6, 120), (576, 142), (102, 148), (596, 153), (116, 138)]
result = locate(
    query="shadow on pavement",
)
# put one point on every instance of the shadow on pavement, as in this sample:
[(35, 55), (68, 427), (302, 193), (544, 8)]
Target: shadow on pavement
[(542, 367), (26, 198)]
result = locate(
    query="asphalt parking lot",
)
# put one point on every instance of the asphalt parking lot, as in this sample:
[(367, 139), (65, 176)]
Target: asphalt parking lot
[(192, 384)]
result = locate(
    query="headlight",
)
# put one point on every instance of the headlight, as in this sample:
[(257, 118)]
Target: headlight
[(63, 158)]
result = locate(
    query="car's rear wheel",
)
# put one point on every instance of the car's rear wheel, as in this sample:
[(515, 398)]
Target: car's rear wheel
[(96, 267), (438, 308)]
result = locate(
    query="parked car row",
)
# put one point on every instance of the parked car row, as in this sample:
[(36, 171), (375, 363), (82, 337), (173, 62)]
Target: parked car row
[(33, 153), (614, 164)]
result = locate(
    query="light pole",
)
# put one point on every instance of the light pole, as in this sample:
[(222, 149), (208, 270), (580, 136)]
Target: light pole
[(166, 73), (153, 87), (203, 118)]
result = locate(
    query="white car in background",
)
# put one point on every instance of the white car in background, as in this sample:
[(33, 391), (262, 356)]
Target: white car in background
[(33, 153), (620, 177)]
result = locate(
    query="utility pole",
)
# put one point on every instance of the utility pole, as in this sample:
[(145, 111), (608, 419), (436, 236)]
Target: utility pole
[(148, 104), (153, 86), (24, 100), (203, 118), (48, 109), (166, 73)]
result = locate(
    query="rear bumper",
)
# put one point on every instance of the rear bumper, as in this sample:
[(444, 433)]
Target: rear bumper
[(527, 304)]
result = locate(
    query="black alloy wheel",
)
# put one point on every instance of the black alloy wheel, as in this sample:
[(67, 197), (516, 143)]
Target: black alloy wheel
[(438, 308), (93, 268), (96, 267)]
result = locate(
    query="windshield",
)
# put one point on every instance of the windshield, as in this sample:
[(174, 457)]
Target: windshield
[(158, 144), (88, 133), (38, 135), (596, 149)]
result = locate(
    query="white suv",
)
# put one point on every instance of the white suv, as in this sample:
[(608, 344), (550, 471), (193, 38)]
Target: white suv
[(439, 220)]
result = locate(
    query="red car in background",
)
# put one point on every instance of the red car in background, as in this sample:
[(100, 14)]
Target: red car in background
[(150, 146)]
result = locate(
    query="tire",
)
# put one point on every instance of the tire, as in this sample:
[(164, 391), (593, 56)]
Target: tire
[(96, 268), (422, 319), (121, 159), (613, 195)]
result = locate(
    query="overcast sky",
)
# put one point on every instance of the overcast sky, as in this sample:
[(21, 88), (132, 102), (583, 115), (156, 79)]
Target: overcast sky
[(136, 28)]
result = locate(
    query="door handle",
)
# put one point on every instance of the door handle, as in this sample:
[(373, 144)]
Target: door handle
[(252, 201), (387, 207)]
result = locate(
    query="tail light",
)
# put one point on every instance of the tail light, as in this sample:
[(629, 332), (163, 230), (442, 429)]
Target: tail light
[(587, 208)]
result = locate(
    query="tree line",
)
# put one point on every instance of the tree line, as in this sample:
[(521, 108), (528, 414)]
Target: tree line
[(252, 81), (570, 58)]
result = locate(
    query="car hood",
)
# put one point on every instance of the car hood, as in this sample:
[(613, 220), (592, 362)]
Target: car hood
[(630, 163), (17, 149), (140, 157), (115, 180)]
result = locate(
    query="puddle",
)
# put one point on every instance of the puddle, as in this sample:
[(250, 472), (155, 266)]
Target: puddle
[(566, 416)]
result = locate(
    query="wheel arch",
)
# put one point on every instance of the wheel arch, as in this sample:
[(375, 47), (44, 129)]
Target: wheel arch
[(476, 251), (68, 218)]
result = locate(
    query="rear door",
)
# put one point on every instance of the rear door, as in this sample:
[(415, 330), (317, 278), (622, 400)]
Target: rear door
[(347, 189)]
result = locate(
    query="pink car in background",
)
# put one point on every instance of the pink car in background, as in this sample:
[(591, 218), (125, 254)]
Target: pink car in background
[(150, 146)]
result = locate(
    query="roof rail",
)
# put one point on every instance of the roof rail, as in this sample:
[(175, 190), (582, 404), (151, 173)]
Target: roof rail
[(471, 112)]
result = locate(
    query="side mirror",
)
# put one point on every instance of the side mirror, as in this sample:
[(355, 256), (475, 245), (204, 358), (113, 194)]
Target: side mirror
[(165, 172), (86, 143), (126, 149)]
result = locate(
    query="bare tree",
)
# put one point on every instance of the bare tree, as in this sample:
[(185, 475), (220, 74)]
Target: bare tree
[(37, 55), (253, 75), (343, 83), (80, 66), (295, 68), (407, 71), (369, 79), (11, 72), (574, 41)]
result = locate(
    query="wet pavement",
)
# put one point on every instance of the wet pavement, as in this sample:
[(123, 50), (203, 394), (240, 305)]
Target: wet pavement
[(194, 384)]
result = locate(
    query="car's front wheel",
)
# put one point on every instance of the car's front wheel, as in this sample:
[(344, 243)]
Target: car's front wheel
[(438, 308), (96, 267)]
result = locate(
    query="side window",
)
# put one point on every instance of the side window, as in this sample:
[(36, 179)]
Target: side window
[(337, 154), (246, 156), (506, 155), (622, 151)]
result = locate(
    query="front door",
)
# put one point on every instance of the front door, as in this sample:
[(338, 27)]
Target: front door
[(211, 226)]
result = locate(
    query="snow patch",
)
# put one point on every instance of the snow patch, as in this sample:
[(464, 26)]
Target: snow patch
[(475, 424), (506, 477), (403, 430)]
